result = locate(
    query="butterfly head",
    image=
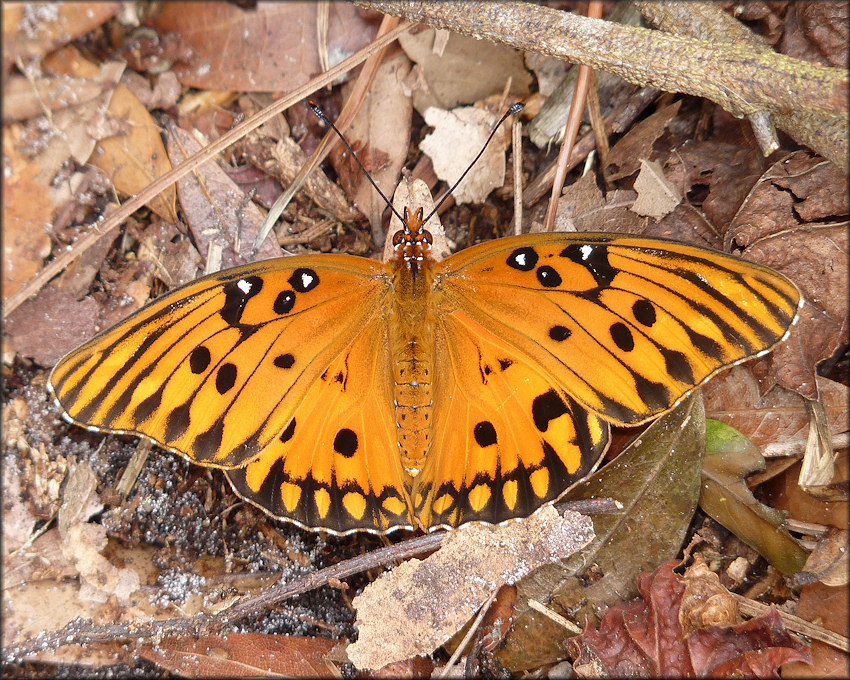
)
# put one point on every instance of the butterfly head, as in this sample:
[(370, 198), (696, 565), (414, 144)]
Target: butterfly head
[(413, 242)]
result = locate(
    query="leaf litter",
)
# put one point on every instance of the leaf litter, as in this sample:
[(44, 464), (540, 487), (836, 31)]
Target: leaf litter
[(788, 211)]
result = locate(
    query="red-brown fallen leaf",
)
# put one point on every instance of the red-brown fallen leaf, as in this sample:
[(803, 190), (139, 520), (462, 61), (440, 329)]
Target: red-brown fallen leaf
[(644, 638), (244, 655)]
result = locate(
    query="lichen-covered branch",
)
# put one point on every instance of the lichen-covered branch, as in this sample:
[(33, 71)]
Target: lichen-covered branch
[(822, 131), (740, 78)]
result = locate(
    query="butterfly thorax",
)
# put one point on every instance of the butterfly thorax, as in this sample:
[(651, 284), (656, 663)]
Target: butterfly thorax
[(411, 340)]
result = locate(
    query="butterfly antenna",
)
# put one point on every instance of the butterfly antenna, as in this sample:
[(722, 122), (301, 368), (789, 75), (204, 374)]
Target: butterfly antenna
[(514, 108), (321, 115)]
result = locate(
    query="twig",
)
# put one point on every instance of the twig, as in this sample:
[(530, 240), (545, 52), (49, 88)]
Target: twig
[(594, 10), (738, 77), (749, 607), (444, 671)]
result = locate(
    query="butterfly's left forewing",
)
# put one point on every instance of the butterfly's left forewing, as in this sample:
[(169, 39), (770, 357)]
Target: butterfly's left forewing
[(627, 326)]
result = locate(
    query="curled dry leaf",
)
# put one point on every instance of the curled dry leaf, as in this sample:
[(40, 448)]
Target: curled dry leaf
[(828, 561), (457, 138), (420, 604), (705, 601)]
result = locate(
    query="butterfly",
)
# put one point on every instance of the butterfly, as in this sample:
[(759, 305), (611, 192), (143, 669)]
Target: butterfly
[(342, 393)]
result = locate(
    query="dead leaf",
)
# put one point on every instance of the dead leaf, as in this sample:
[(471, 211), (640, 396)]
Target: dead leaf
[(645, 639), (457, 138), (218, 214), (129, 149), (817, 32), (625, 156), (27, 212), (270, 48), (705, 602), (779, 415), (26, 98), (245, 655), (826, 606), (656, 194), (784, 493), (461, 70), (828, 561), (32, 29), (420, 604), (724, 496)]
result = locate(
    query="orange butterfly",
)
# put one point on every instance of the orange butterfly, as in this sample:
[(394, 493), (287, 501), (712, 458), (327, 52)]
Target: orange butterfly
[(342, 393)]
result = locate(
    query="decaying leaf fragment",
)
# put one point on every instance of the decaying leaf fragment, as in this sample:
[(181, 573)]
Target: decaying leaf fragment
[(420, 604)]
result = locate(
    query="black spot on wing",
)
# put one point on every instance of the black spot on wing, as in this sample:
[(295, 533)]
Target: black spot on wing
[(505, 364), (546, 408), (284, 302), (304, 280), (484, 433), (236, 296), (548, 277), (199, 360), (622, 336), (559, 333), (284, 361), (644, 312), (523, 259), (593, 257), (225, 378), (147, 406), (345, 442), (655, 395), (288, 433), (177, 422)]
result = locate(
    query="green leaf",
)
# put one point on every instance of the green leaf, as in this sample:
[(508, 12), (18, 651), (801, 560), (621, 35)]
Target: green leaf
[(725, 497)]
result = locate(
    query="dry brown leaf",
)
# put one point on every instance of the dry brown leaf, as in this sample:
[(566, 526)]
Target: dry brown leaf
[(828, 561), (657, 196), (420, 604), (27, 212), (244, 655), (784, 493), (457, 138), (778, 416), (32, 29), (268, 48), (625, 156), (461, 70), (24, 98), (218, 214), (383, 126), (129, 147)]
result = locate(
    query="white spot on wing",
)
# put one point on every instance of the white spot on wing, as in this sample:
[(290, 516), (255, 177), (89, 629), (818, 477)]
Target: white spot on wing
[(244, 286)]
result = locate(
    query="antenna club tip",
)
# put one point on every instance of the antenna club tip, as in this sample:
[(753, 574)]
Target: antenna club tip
[(515, 108)]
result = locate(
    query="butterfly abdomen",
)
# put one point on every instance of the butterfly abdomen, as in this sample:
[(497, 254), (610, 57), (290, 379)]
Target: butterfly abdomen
[(412, 348)]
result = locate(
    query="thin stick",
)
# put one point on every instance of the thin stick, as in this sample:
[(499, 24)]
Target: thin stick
[(444, 671), (517, 145), (594, 11)]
